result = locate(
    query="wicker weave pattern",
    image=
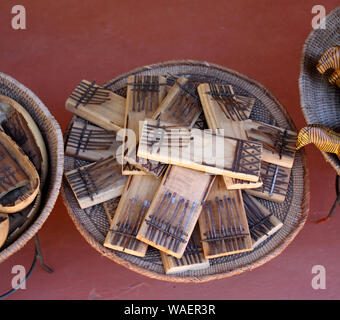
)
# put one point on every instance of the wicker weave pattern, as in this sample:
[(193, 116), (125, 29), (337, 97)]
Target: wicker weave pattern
[(320, 101), (93, 224), (52, 135)]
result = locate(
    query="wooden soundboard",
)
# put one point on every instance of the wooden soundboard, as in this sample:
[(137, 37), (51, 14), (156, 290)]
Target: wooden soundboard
[(100, 106), (262, 223), (181, 106), (97, 182), (144, 95), (133, 205), (175, 209), (192, 259), (89, 142), (275, 182), (223, 223), (200, 150)]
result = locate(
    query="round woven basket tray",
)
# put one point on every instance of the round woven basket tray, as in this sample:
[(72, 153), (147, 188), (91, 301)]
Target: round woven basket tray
[(52, 136), (320, 101), (93, 223)]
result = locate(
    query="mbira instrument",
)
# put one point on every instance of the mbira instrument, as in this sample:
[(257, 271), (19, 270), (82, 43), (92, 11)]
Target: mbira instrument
[(278, 143), (262, 223), (181, 106), (89, 142), (221, 104), (207, 151), (331, 60), (19, 180), (98, 105), (97, 182), (144, 94), (175, 209), (275, 181), (129, 215), (192, 259), (223, 223), (17, 123)]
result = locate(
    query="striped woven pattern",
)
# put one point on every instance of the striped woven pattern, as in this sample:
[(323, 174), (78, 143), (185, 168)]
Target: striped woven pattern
[(324, 139), (320, 100)]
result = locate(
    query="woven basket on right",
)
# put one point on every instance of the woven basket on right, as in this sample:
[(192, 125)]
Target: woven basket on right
[(320, 101)]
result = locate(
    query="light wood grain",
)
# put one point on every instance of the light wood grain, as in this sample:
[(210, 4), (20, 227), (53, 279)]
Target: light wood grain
[(262, 223), (192, 259), (100, 106), (223, 223), (221, 105), (207, 151), (144, 94), (174, 210), (133, 205), (97, 182), (278, 143), (275, 182), (89, 142), (181, 106)]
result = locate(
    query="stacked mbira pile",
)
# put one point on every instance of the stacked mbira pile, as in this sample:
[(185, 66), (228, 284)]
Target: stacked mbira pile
[(179, 166)]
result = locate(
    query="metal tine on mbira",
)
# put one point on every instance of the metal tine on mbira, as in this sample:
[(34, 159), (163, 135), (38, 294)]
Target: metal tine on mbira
[(282, 142), (192, 258), (223, 223), (182, 105), (89, 142), (262, 223), (144, 88), (97, 182), (98, 105), (89, 93), (175, 209), (163, 229), (275, 184), (182, 231), (154, 221), (124, 235), (227, 100), (130, 213), (144, 94)]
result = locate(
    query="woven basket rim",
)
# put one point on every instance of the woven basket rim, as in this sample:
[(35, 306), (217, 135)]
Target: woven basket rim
[(49, 204), (254, 264), (334, 164)]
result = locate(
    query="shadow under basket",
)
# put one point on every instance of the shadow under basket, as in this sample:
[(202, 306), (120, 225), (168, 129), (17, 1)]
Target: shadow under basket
[(93, 223), (53, 139), (320, 100)]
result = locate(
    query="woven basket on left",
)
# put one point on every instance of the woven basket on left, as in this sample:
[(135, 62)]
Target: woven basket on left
[(53, 139)]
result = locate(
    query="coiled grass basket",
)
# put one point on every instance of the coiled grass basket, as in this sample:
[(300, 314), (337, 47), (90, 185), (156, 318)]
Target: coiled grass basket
[(53, 139)]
